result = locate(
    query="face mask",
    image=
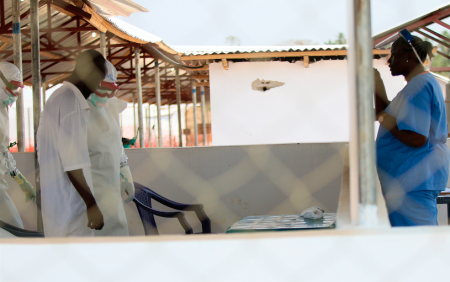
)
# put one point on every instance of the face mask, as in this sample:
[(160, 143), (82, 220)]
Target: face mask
[(13, 87), (98, 101), (11, 100)]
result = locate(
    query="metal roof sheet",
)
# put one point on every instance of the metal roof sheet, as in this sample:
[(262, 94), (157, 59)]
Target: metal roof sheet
[(112, 8), (134, 31), (207, 50)]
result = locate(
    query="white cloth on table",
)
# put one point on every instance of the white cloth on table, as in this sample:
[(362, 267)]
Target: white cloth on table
[(62, 147), (106, 153)]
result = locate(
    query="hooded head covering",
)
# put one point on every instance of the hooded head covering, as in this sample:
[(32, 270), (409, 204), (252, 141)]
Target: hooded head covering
[(11, 72), (111, 73), (108, 82)]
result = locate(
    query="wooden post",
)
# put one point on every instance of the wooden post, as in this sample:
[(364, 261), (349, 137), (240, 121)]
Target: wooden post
[(186, 123), (139, 96), (29, 127), (150, 124), (363, 176), (194, 105), (202, 90), (158, 102), (36, 79), (17, 47), (178, 86), (103, 44), (44, 89), (170, 128), (134, 113), (146, 126)]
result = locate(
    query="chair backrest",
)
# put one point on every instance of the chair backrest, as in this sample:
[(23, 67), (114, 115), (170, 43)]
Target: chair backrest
[(148, 220)]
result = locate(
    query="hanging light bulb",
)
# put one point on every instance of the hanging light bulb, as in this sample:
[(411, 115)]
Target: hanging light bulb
[(94, 34)]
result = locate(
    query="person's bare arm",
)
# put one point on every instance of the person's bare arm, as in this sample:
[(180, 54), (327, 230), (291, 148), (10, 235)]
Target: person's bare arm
[(95, 217), (407, 137), (381, 99)]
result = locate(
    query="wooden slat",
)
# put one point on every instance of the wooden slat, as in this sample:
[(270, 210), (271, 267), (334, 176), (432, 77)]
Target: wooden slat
[(205, 67), (6, 39), (200, 76), (52, 56), (306, 61), (277, 55), (202, 83), (4, 46)]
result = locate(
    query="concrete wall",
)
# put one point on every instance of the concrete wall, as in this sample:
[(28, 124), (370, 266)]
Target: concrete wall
[(232, 182), (312, 106)]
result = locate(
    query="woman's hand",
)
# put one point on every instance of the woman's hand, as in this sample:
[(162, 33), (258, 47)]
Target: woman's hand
[(377, 79), (381, 100)]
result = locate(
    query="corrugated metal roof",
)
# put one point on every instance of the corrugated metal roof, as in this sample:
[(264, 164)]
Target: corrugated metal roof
[(208, 50), (113, 8), (134, 31)]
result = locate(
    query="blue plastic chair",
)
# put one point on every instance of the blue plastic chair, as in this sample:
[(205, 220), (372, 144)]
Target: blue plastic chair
[(19, 232), (143, 200)]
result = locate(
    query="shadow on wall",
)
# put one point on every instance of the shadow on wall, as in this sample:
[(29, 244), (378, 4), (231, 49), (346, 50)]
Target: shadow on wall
[(237, 181), (231, 182)]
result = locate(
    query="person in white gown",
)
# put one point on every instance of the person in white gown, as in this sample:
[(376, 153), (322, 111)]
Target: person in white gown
[(111, 175), (69, 208), (10, 88)]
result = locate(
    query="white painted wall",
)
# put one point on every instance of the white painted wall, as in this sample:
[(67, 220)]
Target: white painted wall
[(312, 106), (231, 182)]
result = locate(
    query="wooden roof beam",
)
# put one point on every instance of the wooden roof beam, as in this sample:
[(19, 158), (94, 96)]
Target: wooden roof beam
[(202, 83), (6, 39), (200, 76), (69, 9)]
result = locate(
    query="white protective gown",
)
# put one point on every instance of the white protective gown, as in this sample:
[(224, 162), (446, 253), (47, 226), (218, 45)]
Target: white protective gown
[(106, 153), (8, 211)]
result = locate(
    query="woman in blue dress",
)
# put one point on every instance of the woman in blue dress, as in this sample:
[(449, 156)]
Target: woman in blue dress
[(412, 157)]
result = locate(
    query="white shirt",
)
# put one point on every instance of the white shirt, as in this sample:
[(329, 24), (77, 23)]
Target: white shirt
[(62, 147)]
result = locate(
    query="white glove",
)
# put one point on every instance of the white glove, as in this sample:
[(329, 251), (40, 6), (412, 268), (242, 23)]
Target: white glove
[(313, 213), (25, 186), (127, 184)]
